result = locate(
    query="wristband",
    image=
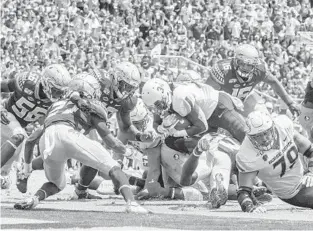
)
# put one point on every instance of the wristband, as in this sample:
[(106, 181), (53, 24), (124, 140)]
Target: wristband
[(137, 136), (196, 152)]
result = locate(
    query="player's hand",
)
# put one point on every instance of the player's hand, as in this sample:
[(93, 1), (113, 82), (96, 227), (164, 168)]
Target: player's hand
[(4, 117), (295, 109), (307, 180), (203, 145), (259, 209), (143, 195), (147, 136)]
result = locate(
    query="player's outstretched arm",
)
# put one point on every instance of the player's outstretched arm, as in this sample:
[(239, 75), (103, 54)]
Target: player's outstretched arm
[(281, 92), (244, 193), (106, 135), (304, 145)]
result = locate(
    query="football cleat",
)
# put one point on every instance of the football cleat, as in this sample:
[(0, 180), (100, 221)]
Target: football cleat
[(84, 194), (5, 182), (134, 207), (27, 204), (21, 180), (218, 195)]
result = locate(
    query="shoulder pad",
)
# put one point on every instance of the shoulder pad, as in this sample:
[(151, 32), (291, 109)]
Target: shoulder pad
[(284, 122), (182, 102), (247, 158), (219, 70)]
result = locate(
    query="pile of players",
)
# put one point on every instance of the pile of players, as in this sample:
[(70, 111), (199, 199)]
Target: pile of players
[(176, 125)]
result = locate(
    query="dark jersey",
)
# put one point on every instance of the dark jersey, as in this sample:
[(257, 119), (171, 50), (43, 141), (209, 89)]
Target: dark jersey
[(66, 111), (110, 100), (25, 103), (308, 97), (223, 73)]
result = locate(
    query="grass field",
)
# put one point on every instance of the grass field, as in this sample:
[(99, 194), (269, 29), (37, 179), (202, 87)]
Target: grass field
[(108, 214)]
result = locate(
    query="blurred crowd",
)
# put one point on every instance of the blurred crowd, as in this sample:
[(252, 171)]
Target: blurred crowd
[(36, 33)]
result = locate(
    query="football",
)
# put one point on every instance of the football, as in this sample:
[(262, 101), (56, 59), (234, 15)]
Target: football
[(181, 122)]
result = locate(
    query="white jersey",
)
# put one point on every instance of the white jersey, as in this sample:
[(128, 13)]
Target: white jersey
[(185, 97), (279, 168), (172, 161), (141, 146)]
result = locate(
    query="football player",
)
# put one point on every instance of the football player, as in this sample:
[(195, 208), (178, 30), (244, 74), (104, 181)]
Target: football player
[(271, 151), (199, 103), (32, 94), (117, 94), (62, 140), (306, 116), (208, 179), (239, 76)]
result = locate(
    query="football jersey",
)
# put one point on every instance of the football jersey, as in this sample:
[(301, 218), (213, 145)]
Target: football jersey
[(223, 73), (279, 168), (108, 97), (65, 111), (186, 96), (25, 103), (141, 146)]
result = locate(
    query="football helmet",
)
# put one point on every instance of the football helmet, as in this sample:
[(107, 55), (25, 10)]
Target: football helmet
[(245, 61), (139, 116), (54, 80), (188, 76), (261, 130), (86, 85), (157, 96), (125, 79)]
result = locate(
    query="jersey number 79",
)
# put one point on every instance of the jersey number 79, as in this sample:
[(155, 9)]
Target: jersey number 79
[(292, 156)]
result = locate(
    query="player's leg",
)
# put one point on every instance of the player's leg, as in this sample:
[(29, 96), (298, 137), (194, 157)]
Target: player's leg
[(12, 135), (225, 116), (87, 175), (304, 198), (54, 159), (92, 154)]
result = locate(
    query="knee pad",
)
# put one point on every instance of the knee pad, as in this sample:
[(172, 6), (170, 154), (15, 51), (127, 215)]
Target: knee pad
[(17, 139), (192, 194)]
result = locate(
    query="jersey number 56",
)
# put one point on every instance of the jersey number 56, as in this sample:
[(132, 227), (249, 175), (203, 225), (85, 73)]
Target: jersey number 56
[(27, 110)]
